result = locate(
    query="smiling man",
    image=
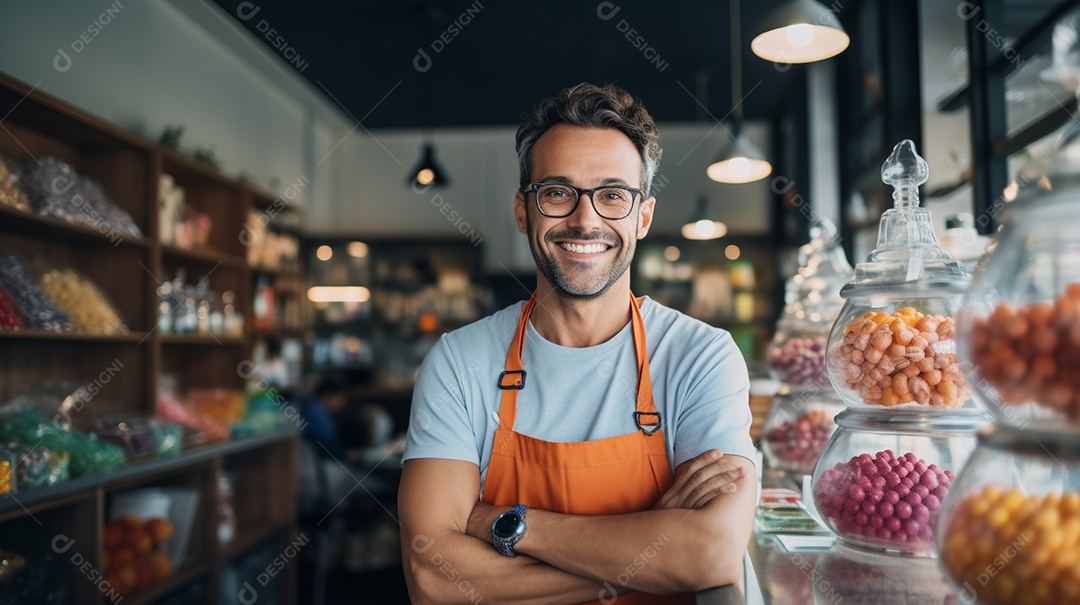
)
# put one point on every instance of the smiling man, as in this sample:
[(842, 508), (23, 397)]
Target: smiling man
[(586, 445)]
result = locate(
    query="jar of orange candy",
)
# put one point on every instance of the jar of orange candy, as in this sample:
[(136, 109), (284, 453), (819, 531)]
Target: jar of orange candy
[(1009, 529), (894, 342)]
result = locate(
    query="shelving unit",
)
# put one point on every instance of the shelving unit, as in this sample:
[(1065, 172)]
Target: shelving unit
[(129, 270)]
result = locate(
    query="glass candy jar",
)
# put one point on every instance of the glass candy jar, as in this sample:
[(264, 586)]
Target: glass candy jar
[(843, 575), (880, 481), (893, 343), (1020, 326), (1009, 529), (812, 297), (797, 427)]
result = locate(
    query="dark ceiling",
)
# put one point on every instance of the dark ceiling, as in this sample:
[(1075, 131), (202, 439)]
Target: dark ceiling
[(492, 60)]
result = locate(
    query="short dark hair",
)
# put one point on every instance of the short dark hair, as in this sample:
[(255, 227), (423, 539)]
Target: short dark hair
[(592, 106)]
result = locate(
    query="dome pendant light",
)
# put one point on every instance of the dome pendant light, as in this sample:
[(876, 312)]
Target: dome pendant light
[(740, 161), (701, 225), (801, 31)]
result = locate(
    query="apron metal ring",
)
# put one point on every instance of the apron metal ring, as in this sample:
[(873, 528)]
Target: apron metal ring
[(653, 427), (516, 386)]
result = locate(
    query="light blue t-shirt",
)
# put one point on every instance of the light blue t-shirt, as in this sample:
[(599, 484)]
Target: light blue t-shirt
[(699, 377)]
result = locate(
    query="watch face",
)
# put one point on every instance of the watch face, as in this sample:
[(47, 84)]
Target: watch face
[(506, 525)]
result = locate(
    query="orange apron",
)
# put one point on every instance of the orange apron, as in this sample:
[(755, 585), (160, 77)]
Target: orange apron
[(616, 475)]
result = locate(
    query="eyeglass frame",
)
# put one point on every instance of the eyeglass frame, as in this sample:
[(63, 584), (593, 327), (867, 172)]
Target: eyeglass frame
[(635, 193)]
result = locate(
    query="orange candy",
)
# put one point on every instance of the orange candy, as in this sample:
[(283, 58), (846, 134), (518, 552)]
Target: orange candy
[(1000, 542)]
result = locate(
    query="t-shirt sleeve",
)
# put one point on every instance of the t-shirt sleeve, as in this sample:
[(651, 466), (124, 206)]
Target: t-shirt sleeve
[(716, 411), (439, 424)]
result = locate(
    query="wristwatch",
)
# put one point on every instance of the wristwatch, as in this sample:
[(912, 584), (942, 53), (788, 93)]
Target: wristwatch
[(507, 529)]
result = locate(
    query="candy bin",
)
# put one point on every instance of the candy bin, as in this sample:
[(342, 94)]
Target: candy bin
[(1009, 530), (894, 342), (797, 428), (812, 296), (1020, 325), (880, 482)]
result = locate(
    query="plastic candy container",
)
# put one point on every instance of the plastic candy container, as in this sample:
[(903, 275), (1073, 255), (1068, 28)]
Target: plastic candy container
[(812, 296), (797, 428), (56, 190), (1020, 329), (894, 341), (880, 481), (1010, 526), (35, 466)]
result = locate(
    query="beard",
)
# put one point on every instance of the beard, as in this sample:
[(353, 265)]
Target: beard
[(573, 282)]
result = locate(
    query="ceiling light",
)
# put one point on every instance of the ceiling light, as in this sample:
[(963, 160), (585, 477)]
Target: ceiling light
[(357, 249), (428, 172), (324, 253), (801, 31), (329, 294), (701, 225), (739, 160)]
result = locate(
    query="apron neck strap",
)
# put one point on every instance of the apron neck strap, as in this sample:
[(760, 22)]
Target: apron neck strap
[(512, 379)]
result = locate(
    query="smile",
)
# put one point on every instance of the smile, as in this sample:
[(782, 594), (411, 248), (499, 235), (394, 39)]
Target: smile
[(584, 248)]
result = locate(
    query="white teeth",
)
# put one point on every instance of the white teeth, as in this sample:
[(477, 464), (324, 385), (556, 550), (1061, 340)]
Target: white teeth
[(584, 249)]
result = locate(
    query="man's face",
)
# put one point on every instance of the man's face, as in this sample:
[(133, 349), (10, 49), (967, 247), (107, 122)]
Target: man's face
[(583, 254)]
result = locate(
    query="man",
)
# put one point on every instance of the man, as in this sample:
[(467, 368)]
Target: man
[(319, 411), (543, 439)]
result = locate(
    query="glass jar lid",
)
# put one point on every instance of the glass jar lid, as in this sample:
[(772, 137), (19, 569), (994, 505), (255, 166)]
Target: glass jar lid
[(963, 421), (907, 259)]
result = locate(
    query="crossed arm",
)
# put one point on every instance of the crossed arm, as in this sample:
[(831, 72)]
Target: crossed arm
[(692, 540)]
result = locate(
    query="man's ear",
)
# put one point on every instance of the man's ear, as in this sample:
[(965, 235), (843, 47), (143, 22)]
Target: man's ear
[(519, 212), (645, 217)]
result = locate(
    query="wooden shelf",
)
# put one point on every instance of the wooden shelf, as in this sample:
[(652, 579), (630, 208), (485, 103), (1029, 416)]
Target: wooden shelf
[(203, 257), (27, 224), (127, 270), (136, 337), (194, 339)]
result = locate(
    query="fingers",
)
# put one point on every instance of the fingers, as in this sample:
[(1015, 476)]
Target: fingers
[(699, 480), (683, 476), (723, 483)]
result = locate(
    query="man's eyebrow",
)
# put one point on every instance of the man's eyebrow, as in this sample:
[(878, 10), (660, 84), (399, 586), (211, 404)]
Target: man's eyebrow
[(563, 179)]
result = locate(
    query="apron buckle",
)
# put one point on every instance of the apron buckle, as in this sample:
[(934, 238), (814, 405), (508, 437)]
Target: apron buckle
[(653, 427), (516, 386)]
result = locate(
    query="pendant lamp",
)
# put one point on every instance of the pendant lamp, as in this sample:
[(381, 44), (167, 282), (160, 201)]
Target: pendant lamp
[(801, 31), (739, 161), (701, 225), (428, 172)]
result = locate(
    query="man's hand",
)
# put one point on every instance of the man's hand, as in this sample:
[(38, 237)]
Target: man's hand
[(700, 479)]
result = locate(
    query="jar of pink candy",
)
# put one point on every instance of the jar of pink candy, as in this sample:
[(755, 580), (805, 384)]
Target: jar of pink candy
[(880, 482), (812, 297)]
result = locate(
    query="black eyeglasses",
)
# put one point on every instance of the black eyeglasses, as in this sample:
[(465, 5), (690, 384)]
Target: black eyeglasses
[(559, 200)]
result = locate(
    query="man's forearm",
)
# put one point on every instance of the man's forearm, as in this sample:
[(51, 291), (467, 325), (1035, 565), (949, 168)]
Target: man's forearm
[(455, 568), (656, 551)]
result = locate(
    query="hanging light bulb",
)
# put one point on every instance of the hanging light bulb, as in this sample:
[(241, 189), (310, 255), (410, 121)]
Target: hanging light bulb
[(739, 161), (428, 171), (801, 31), (701, 226)]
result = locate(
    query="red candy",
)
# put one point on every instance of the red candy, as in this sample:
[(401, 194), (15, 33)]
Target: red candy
[(10, 319), (798, 443), (885, 497)]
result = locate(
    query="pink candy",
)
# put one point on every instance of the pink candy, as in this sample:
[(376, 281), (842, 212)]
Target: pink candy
[(801, 362), (884, 497)]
